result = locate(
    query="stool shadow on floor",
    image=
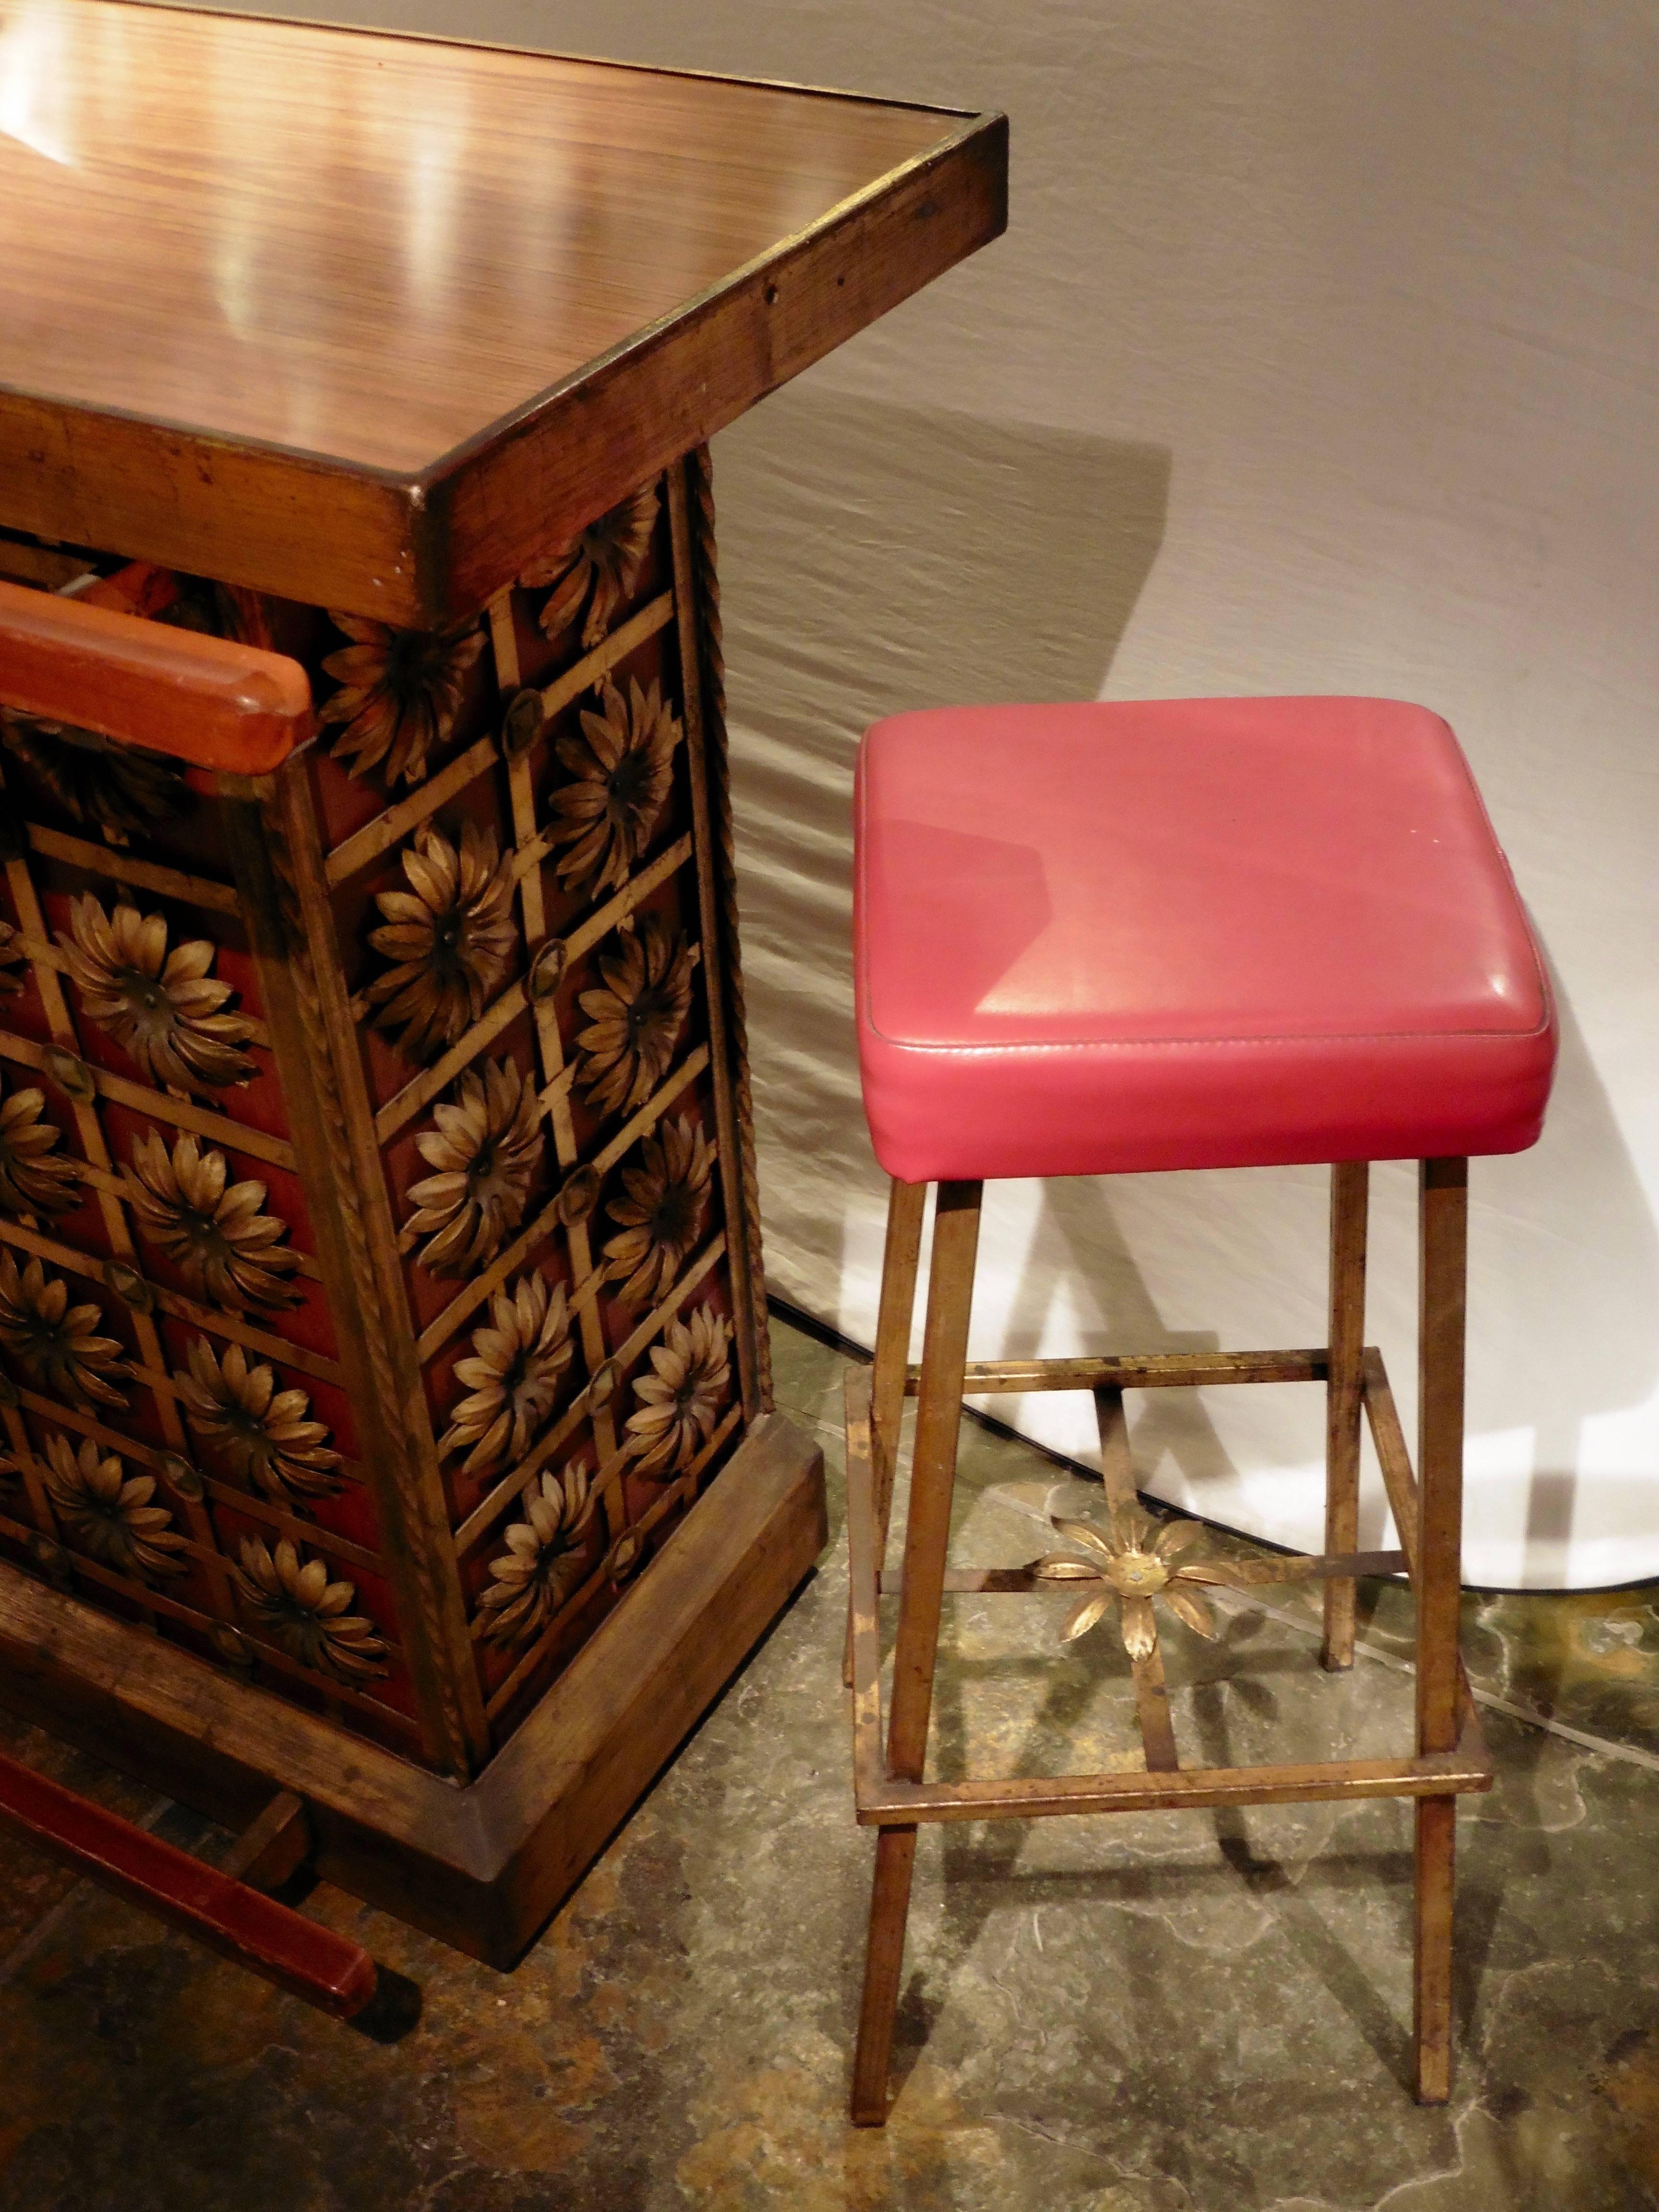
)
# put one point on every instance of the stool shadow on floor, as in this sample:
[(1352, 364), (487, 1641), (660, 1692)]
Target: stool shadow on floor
[(1306, 1933), (981, 1876)]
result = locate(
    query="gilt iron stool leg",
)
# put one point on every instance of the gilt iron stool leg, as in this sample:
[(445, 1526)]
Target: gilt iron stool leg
[(905, 1204), (1350, 1181), (1443, 1238), (927, 1533)]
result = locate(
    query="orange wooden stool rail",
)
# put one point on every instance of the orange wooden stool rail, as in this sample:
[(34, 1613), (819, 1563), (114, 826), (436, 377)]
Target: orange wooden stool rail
[(203, 700)]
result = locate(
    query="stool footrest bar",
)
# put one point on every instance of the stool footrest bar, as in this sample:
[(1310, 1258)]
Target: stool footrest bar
[(1150, 1371), (1443, 1774), (1233, 1574)]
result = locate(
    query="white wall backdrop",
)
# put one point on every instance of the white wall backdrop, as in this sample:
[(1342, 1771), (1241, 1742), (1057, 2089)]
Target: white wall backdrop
[(1321, 355)]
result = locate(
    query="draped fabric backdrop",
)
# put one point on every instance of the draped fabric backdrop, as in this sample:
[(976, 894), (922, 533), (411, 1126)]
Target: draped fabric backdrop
[(1321, 356)]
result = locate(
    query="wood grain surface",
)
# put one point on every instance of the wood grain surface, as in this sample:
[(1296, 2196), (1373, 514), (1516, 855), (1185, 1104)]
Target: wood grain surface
[(368, 319)]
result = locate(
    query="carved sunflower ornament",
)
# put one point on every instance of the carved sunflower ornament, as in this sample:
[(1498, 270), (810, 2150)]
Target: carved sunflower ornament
[(679, 1402), (450, 934), (513, 1376), (264, 1435), (34, 1177), (399, 690), (292, 1600), (487, 1148), (544, 1560), (161, 1007), (13, 959), (58, 1344), (620, 765), (606, 556), (107, 1514), (635, 1019), (662, 1211), (224, 1248), (113, 788)]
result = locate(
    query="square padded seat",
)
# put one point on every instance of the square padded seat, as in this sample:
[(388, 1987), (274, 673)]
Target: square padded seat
[(1187, 934)]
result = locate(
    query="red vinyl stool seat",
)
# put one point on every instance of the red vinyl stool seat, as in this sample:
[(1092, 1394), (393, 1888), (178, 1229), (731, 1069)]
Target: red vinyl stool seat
[(1104, 939), (1187, 934)]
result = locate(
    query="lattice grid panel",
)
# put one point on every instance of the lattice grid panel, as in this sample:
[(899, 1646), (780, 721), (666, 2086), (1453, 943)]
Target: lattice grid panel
[(525, 851), (99, 1257)]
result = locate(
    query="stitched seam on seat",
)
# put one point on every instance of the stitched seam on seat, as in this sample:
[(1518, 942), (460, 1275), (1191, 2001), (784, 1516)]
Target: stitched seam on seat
[(1210, 1044)]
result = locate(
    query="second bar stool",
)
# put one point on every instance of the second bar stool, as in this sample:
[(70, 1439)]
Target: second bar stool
[(1103, 940)]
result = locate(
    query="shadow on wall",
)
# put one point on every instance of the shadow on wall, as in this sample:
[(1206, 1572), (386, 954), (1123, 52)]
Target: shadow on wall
[(1569, 1250), (878, 557), (875, 558), (1563, 1284)]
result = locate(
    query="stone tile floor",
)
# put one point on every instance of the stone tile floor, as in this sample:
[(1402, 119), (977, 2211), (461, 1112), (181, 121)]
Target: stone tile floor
[(1197, 2014)]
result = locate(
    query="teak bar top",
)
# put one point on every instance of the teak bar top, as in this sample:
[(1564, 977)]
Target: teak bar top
[(368, 319)]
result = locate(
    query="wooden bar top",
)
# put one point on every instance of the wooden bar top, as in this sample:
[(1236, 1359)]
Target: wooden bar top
[(369, 319)]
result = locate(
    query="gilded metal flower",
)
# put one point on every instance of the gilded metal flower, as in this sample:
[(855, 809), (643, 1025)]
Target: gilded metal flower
[(662, 1211), (620, 766), (162, 1007), (450, 934), (107, 1514), (294, 1601), (677, 1403), (399, 690), (512, 1376), (1133, 1562), (111, 788), (544, 1557), (264, 1435), (34, 1177), (58, 1343), (487, 1147), (607, 555), (635, 1021), (13, 960), (224, 1247)]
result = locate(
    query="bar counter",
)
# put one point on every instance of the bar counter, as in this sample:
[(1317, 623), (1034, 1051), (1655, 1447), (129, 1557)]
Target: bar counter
[(383, 1354)]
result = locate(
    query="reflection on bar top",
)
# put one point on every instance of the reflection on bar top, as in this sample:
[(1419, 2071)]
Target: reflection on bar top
[(368, 247)]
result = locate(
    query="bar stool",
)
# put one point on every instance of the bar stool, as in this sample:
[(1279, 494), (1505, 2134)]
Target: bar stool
[(1099, 939)]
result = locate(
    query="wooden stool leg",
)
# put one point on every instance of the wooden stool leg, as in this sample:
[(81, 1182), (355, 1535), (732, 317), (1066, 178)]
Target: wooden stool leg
[(1350, 1181), (927, 1534), (906, 1203), (1443, 1233)]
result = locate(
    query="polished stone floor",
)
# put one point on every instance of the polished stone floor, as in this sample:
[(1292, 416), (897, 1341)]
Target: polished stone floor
[(1197, 2014)]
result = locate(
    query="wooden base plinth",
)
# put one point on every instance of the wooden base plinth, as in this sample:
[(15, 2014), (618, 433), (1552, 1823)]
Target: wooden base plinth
[(480, 1867)]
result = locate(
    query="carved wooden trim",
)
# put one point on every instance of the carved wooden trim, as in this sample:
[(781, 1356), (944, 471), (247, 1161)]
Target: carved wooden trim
[(323, 1072), (710, 666)]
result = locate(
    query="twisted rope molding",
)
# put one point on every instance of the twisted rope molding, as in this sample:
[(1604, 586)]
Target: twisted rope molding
[(465, 1734), (713, 715)]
